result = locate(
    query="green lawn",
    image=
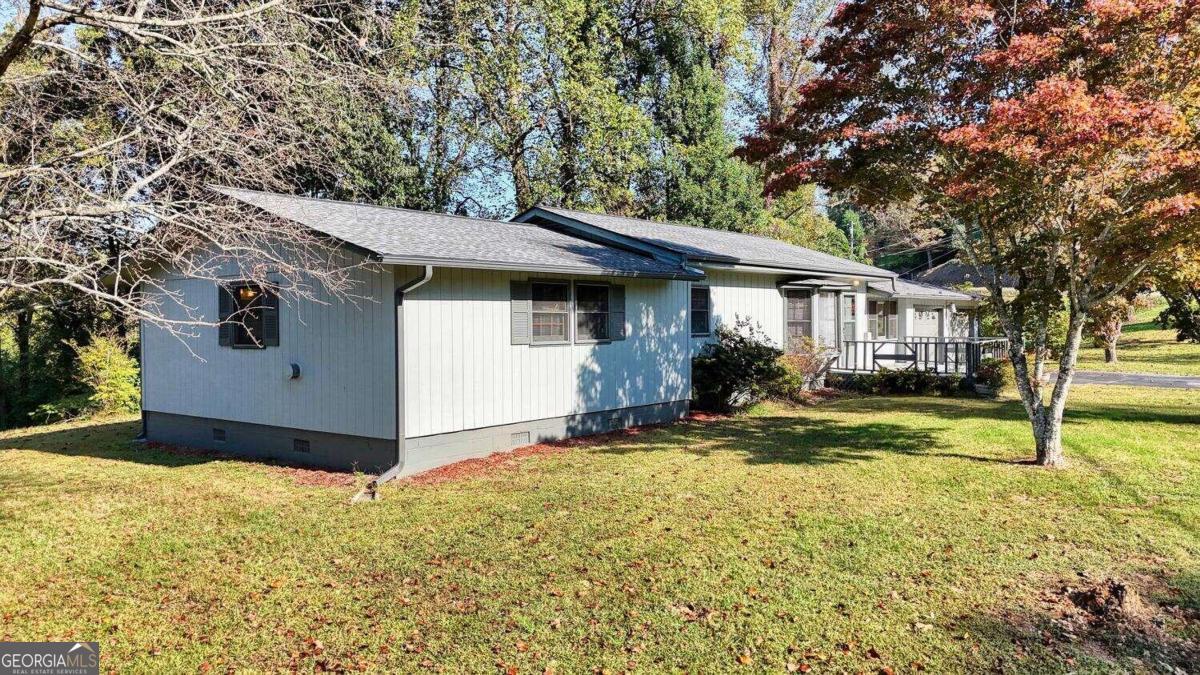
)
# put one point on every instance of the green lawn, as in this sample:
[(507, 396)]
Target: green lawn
[(1145, 348), (862, 534)]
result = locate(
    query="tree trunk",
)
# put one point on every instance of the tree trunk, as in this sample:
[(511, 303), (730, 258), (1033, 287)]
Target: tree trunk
[(24, 326), (1110, 352), (1047, 426), (1047, 433)]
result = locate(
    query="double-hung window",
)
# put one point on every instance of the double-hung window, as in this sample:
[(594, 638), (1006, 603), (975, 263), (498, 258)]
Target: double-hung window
[(799, 317), (591, 312), (552, 312), (883, 319), (701, 314), (551, 305)]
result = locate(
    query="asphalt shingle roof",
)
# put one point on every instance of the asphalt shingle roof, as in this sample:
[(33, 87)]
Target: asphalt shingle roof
[(706, 245), (911, 289), (403, 236), (956, 271)]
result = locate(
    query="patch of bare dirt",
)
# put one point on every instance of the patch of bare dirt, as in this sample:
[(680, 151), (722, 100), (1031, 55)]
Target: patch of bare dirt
[(1113, 617)]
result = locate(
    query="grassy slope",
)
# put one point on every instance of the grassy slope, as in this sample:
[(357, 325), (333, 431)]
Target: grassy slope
[(895, 525), (1145, 348)]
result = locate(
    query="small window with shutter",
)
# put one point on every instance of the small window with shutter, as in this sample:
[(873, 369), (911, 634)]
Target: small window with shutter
[(249, 316), (701, 310)]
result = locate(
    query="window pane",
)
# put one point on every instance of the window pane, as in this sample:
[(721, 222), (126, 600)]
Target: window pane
[(799, 329), (700, 310), (549, 327), (591, 326), (248, 326), (591, 298), (550, 297)]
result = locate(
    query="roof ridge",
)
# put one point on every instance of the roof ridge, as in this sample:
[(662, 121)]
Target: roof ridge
[(672, 223), (713, 229), (402, 209)]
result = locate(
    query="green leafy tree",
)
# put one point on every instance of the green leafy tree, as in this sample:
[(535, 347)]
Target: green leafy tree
[(849, 221), (111, 376), (794, 218), (703, 182)]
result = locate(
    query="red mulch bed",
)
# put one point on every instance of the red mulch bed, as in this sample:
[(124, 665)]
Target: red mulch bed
[(497, 461), (508, 459)]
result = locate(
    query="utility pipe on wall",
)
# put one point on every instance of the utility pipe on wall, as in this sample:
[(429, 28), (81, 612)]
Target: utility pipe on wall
[(370, 492)]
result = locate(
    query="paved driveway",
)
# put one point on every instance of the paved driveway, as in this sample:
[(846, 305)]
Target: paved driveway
[(1138, 379)]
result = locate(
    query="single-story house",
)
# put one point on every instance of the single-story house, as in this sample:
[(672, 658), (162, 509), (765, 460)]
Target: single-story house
[(477, 336)]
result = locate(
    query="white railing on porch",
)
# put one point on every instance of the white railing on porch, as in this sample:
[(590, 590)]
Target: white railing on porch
[(942, 356)]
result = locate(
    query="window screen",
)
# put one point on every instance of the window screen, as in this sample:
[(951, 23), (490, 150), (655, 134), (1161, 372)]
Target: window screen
[(701, 311), (551, 307), (591, 312), (799, 316)]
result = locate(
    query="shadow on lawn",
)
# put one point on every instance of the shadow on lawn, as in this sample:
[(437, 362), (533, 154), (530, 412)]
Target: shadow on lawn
[(1140, 327), (1012, 411), (791, 440), (801, 440), (109, 440)]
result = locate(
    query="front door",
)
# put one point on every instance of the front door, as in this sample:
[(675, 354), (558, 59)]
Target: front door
[(927, 321)]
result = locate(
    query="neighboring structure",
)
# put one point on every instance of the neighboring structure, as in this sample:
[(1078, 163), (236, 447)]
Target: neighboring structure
[(478, 335), (956, 273)]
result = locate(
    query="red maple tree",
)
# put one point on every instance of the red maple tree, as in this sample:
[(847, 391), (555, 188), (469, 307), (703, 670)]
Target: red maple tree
[(1058, 139)]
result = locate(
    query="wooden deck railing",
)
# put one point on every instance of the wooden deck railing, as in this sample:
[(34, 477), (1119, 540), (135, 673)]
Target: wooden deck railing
[(943, 356)]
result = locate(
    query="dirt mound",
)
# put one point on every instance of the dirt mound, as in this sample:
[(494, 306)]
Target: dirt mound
[(1110, 617), (1108, 600)]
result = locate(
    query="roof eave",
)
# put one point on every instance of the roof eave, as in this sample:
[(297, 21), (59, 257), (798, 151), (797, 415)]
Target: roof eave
[(681, 275), (784, 268)]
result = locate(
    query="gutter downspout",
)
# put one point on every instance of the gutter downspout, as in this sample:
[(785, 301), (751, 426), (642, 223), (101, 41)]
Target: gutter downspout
[(371, 491)]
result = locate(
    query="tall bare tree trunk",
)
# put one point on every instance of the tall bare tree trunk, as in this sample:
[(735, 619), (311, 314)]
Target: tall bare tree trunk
[(23, 330)]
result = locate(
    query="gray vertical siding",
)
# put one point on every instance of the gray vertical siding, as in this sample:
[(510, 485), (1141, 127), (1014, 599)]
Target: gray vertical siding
[(344, 350), (462, 372), (747, 295), (756, 296)]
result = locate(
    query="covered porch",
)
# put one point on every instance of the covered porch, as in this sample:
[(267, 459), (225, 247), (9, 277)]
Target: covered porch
[(937, 355)]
